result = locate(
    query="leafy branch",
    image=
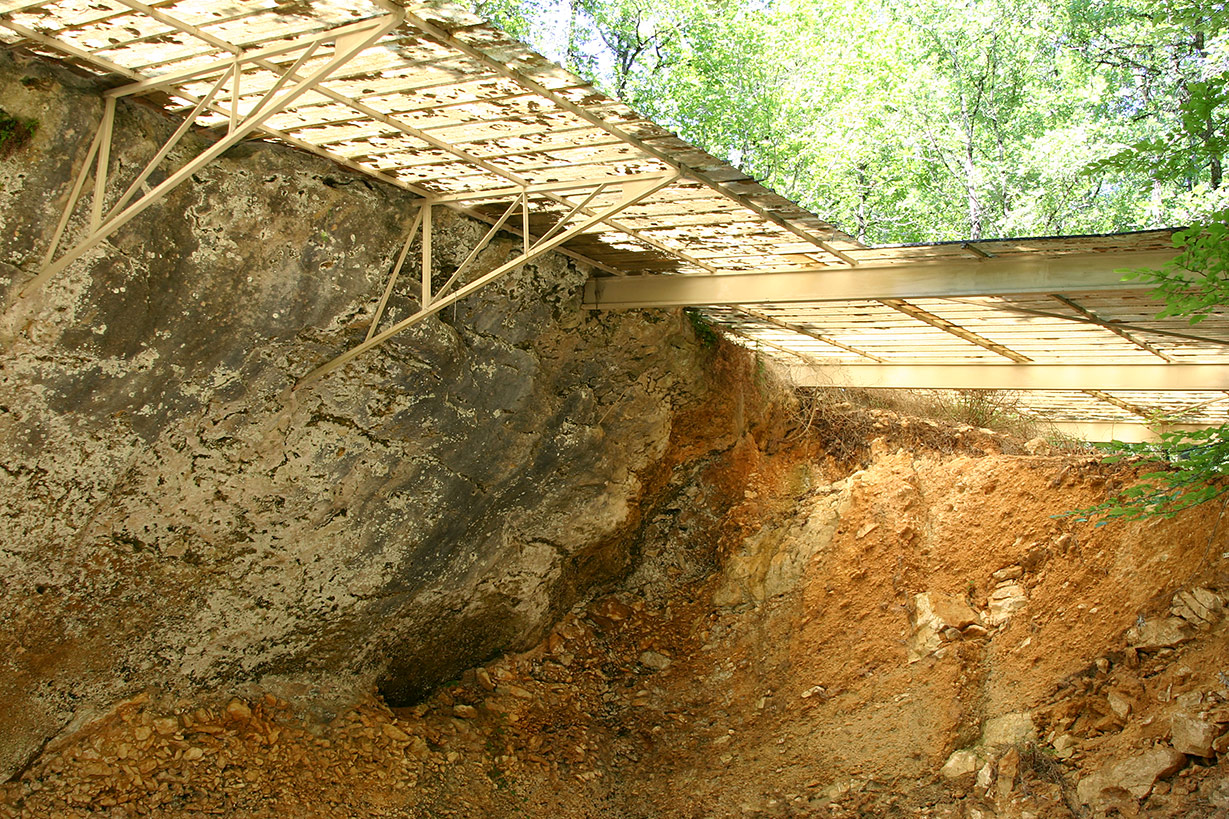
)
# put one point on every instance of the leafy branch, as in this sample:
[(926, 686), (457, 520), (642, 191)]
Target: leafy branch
[(1195, 470)]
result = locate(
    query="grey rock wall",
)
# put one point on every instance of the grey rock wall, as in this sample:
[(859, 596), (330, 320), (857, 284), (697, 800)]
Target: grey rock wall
[(174, 515)]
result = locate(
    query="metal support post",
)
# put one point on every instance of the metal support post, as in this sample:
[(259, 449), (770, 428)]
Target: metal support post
[(392, 279), (426, 255)]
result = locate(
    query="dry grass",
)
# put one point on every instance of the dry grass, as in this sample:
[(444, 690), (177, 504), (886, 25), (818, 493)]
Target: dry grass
[(847, 419)]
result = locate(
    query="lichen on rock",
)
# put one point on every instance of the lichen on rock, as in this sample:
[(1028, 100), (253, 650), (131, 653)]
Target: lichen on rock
[(178, 516)]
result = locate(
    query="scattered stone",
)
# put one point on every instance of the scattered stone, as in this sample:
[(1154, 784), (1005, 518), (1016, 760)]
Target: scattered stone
[(1153, 634), (1202, 608), (1008, 770), (865, 530), (613, 608), (394, 733), (961, 763), (97, 769), (815, 691), (238, 710), (1009, 573), (1036, 558), (1119, 704), (974, 632), (655, 660), (1006, 599), (484, 679), (1038, 446), (1191, 735), (1135, 775), (932, 615), (1008, 729), (418, 748), (985, 777), (1064, 746), (166, 726), (463, 711)]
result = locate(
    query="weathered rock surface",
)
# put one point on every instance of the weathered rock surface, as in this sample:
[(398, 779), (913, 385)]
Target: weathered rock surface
[(1005, 600), (177, 515), (937, 618), (1192, 735), (1008, 729), (1134, 776), (1202, 608), (1159, 633)]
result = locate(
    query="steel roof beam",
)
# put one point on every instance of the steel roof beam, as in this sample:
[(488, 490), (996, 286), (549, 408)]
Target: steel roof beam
[(447, 38), (1124, 431), (919, 280), (1131, 377)]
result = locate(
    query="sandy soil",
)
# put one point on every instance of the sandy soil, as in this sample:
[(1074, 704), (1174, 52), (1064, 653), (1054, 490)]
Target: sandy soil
[(767, 658)]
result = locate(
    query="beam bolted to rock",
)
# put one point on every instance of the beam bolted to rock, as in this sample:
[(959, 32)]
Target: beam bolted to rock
[(1074, 273)]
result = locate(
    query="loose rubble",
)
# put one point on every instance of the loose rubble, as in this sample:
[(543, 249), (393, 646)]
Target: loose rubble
[(791, 662)]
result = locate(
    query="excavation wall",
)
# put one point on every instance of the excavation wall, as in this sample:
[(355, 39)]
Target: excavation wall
[(654, 584), (175, 515)]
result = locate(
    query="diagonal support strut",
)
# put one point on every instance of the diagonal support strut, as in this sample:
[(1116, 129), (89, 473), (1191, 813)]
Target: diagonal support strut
[(348, 45), (632, 193)]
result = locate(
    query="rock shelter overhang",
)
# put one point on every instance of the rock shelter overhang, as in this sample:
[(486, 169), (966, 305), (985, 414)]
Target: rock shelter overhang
[(436, 101)]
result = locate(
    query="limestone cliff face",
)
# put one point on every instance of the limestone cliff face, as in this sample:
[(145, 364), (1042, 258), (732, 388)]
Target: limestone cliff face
[(175, 515)]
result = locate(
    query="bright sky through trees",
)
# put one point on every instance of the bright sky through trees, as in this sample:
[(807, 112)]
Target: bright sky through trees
[(925, 120)]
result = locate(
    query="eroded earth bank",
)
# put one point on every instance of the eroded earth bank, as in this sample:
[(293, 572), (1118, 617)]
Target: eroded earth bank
[(526, 560)]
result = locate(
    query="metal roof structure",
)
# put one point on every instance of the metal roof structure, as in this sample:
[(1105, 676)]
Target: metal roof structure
[(434, 100)]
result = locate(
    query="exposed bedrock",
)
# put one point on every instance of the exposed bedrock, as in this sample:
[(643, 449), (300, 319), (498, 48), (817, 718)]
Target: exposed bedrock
[(175, 515)]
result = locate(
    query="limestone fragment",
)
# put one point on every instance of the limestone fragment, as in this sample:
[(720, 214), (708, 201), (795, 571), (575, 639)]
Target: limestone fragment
[(238, 710), (1163, 633), (932, 615), (1008, 729), (1192, 735), (961, 763), (166, 725), (1202, 608), (655, 660), (1136, 775), (1007, 598), (1008, 770), (1119, 704), (1008, 573)]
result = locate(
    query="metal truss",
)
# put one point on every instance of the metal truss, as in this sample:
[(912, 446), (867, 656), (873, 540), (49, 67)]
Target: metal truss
[(432, 301), (348, 41)]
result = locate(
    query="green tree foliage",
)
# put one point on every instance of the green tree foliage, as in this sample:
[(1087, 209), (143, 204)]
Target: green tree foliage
[(924, 120), (1168, 61), (1192, 467), (1175, 54), (914, 120), (1194, 464)]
